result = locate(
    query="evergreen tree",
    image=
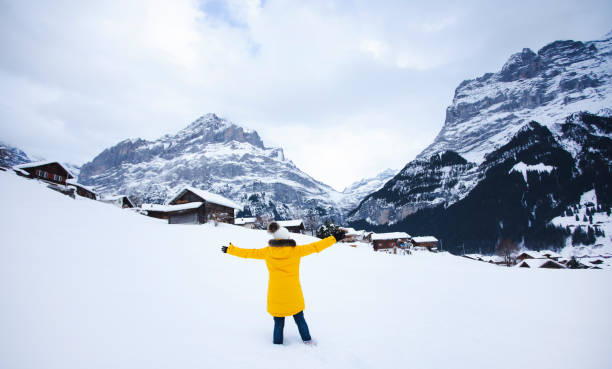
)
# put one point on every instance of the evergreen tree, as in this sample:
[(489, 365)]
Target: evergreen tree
[(579, 237), (584, 218), (590, 236), (573, 263), (608, 211), (591, 219), (328, 229), (569, 212), (577, 219)]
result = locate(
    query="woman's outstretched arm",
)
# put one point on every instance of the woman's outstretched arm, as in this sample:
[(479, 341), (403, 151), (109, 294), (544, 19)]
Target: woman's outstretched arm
[(318, 246), (247, 253)]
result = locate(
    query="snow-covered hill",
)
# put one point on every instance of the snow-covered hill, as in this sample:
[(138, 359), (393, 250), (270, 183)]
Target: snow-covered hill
[(95, 286), (553, 87)]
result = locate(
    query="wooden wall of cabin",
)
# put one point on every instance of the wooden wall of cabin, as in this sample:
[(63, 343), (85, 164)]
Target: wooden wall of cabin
[(51, 169), (296, 229), (224, 214), (188, 196), (425, 244), (387, 244), (82, 192)]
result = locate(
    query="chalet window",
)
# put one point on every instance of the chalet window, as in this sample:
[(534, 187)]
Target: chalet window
[(59, 178), (45, 175), (55, 177)]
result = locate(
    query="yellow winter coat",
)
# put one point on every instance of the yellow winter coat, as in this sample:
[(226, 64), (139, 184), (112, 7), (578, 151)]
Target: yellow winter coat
[(285, 296)]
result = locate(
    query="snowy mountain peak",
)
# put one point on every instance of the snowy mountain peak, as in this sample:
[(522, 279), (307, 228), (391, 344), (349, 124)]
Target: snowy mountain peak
[(372, 184), (208, 121), (210, 128), (520, 65), (563, 77)]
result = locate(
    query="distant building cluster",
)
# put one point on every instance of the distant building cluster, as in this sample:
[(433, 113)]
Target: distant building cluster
[(545, 259)]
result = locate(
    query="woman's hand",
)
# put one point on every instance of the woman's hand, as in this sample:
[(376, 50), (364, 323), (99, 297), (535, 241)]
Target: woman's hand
[(339, 234)]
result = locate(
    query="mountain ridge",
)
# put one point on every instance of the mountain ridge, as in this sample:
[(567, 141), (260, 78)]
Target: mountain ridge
[(218, 155), (563, 78)]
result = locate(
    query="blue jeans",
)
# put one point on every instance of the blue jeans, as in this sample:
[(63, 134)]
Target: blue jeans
[(279, 326)]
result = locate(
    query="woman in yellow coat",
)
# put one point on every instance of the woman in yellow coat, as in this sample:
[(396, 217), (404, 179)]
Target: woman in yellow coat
[(282, 258)]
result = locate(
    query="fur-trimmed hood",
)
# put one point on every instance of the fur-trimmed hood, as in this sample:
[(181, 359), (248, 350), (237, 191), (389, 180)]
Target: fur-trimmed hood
[(282, 242)]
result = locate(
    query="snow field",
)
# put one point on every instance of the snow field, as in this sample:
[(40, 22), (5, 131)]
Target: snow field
[(88, 285)]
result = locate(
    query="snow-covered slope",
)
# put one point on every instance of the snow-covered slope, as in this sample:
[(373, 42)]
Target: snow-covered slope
[(215, 155), (357, 191), (550, 87), (108, 288)]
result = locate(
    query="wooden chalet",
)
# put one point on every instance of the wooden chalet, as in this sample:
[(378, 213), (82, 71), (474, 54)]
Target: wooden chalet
[(172, 213), (529, 255), (540, 263), (246, 222), (429, 242), (121, 201), (353, 235), (476, 257), (293, 226), (384, 241), (49, 171), (550, 255), (83, 191), (213, 207)]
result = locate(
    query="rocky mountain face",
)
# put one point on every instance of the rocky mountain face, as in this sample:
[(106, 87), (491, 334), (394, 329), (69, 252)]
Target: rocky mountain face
[(10, 156), (222, 157), (537, 176), (562, 78)]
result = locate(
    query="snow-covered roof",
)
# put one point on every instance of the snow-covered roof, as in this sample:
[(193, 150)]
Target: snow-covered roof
[(40, 163), (349, 230), (492, 258), (290, 223), (169, 208), (75, 183), (113, 198), (550, 254), (389, 236), (533, 254), (425, 239), (537, 263), (473, 256), (241, 221), (355, 233), (208, 196)]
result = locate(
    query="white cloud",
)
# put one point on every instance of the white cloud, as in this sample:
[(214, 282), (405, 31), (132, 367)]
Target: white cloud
[(77, 77)]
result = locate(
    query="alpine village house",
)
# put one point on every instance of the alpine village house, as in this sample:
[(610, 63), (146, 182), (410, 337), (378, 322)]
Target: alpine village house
[(194, 206)]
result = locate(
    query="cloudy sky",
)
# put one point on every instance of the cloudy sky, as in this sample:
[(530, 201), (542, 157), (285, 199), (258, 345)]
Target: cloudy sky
[(347, 88)]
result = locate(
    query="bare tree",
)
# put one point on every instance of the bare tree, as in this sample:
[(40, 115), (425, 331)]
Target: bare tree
[(262, 221), (310, 222), (507, 249)]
